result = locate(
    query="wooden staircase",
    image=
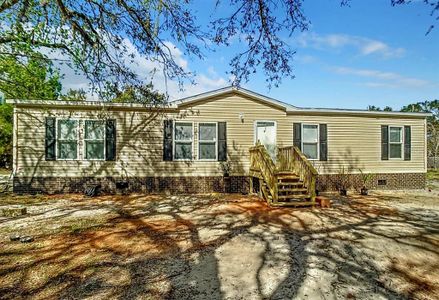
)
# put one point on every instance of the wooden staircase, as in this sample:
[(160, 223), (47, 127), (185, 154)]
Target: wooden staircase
[(291, 182)]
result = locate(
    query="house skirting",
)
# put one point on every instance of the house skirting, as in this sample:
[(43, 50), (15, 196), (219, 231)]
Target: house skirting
[(202, 184), (111, 185), (380, 181)]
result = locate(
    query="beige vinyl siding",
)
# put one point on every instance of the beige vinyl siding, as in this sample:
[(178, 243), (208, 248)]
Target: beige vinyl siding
[(240, 135), (140, 140), (353, 141)]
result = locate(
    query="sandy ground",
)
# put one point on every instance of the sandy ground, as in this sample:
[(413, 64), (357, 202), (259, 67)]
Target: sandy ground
[(383, 246)]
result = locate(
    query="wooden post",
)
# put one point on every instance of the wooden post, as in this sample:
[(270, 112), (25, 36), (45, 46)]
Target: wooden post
[(313, 189), (261, 182)]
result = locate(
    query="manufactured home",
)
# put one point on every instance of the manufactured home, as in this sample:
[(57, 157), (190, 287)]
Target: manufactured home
[(230, 139)]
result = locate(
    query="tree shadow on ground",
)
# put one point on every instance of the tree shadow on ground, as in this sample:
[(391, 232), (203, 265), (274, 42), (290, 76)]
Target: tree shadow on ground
[(230, 246)]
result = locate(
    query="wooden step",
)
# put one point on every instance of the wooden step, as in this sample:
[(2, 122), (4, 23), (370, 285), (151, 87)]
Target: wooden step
[(285, 173), (290, 188), (283, 184), (292, 197), (296, 190), (287, 176), (294, 204)]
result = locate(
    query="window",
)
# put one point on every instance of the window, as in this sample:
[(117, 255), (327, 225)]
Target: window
[(395, 142), (183, 136), (94, 139), (207, 138), (310, 141), (67, 136)]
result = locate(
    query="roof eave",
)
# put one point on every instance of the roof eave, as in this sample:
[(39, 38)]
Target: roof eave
[(359, 112), (86, 104), (205, 96), (177, 104)]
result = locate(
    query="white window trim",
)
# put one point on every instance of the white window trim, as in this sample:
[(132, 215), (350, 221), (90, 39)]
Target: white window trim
[(84, 140), (187, 141), (77, 139), (207, 141), (402, 142), (318, 139)]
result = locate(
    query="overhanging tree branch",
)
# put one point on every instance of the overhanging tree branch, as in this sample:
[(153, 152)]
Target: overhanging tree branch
[(7, 4), (103, 38)]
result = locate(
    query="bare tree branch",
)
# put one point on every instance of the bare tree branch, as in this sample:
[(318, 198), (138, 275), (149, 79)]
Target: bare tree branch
[(103, 38), (7, 4)]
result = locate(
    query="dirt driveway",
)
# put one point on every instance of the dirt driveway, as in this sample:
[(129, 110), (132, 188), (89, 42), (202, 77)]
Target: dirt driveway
[(384, 246)]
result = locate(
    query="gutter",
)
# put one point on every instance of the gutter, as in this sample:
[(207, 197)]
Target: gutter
[(88, 104), (176, 105), (340, 111)]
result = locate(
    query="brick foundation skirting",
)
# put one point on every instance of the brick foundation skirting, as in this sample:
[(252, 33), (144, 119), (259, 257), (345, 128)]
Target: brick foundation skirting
[(203, 184), (382, 181), (111, 185)]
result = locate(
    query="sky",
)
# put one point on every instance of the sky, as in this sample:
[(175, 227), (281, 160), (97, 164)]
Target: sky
[(369, 53)]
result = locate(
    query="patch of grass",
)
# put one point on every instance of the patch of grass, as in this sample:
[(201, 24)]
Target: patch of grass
[(5, 171), (14, 199), (82, 225), (433, 174)]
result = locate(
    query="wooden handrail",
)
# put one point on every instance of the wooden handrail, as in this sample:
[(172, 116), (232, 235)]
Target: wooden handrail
[(292, 159), (289, 159), (260, 160)]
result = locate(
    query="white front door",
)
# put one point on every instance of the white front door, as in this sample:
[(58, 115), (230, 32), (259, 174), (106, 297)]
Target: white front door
[(265, 133)]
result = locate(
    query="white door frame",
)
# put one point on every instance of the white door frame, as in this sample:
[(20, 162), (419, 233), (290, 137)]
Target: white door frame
[(255, 138)]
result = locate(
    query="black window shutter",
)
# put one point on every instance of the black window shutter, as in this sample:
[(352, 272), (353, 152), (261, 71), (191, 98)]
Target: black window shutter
[(168, 127), (222, 141), (407, 143), (384, 142), (323, 142), (50, 138), (297, 135), (110, 140)]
